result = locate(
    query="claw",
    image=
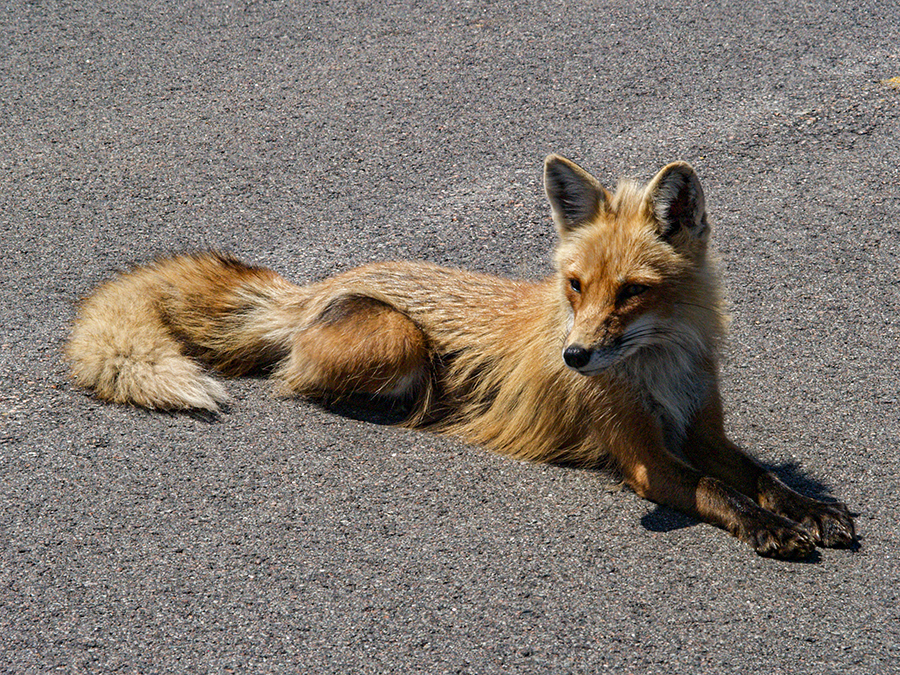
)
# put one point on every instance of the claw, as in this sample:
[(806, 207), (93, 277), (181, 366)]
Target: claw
[(830, 524), (785, 544)]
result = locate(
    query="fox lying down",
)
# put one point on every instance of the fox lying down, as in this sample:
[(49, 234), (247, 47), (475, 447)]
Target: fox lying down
[(612, 358)]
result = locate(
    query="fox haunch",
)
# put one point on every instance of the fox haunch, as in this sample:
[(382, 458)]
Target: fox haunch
[(613, 358)]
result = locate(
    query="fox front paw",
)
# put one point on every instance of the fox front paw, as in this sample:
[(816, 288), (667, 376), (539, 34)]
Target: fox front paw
[(772, 536), (829, 523)]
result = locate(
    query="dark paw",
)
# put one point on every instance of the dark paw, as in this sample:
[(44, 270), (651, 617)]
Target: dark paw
[(787, 541), (830, 524)]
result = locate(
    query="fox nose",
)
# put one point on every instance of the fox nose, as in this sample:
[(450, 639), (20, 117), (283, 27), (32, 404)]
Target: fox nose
[(576, 356)]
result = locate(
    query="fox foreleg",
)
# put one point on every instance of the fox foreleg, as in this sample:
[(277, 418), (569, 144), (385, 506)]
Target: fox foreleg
[(661, 478), (708, 449)]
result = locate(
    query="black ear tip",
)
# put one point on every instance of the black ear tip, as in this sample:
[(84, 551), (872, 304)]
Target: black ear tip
[(565, 174), (681, 170), (553, 158), (555, 164), (675, 177)]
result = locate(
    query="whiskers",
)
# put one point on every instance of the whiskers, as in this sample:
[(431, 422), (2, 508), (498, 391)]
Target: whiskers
[(715, 309), (656, 334)]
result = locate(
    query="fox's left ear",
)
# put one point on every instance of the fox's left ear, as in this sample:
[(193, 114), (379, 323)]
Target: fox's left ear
[(676, 200)]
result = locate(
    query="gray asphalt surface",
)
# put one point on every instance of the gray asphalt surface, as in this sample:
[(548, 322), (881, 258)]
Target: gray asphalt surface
[(311, 137)]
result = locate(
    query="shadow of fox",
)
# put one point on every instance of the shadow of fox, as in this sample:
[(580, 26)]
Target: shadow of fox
[(613, 358)]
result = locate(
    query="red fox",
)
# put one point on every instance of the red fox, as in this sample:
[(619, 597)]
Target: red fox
[(610, 360)]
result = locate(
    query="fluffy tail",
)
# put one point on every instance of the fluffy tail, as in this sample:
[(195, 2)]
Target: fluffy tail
[(138, 339)]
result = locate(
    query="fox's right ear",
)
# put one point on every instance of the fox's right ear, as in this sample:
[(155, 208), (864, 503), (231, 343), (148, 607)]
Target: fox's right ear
[(575, 196)]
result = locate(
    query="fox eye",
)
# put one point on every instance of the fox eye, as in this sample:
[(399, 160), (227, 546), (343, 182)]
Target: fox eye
[(632, 290), (575, 285)]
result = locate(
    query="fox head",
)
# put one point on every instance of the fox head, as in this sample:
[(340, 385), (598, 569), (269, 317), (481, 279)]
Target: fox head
[(632, 265)]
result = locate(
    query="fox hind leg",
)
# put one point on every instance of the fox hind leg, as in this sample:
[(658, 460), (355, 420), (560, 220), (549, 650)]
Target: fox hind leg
[(357, 345)]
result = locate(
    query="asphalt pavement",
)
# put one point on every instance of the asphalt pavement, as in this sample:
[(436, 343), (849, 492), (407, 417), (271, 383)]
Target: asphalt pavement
[(310, 137)]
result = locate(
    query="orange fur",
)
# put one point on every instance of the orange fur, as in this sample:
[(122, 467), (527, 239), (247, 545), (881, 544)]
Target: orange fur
[(612, 358)]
